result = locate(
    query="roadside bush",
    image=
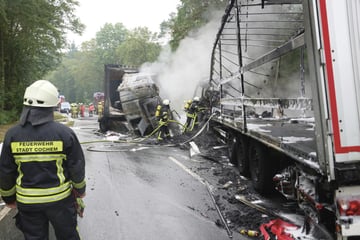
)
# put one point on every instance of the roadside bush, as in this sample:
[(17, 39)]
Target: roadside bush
[(7, 117)]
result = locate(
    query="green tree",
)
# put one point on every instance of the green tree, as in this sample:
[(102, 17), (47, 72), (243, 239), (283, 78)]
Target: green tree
[(108, 39), (88, 72), (32, 38), (191, 15), (140, 46), (3, 21), (82, 71)]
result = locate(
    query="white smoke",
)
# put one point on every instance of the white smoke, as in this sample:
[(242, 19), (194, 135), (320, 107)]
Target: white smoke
[(179, 73)]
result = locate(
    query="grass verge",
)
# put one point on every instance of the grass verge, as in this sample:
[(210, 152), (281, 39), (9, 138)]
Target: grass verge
[(57, 117)]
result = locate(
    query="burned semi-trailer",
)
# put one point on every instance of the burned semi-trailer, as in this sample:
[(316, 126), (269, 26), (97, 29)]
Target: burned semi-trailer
[(286, 79), (130, 100)]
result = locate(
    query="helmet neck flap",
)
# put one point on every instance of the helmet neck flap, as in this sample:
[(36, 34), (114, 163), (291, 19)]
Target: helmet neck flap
[(36, 115)]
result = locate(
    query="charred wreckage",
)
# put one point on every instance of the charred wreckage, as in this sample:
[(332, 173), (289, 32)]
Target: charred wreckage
[(284, 96)]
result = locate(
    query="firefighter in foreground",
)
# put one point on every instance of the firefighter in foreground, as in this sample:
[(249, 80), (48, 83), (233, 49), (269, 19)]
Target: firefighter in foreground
[(42, 168), (192, 109), (163, 114)]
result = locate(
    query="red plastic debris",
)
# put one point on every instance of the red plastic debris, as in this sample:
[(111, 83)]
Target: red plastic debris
[(279, 228)]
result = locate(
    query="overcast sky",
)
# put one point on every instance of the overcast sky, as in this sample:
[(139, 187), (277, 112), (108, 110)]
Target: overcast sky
[(132, 13)]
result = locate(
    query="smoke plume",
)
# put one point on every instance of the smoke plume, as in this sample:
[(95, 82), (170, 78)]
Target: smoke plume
[(180, 73)]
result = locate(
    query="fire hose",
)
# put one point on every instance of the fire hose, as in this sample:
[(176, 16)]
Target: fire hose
[(229, 232), (134, 141)]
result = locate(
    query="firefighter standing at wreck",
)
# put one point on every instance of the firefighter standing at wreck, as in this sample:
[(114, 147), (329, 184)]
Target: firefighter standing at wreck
[(163, 114), (42, 168), (192, 109)]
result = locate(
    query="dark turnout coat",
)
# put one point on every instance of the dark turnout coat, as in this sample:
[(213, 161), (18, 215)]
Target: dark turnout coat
[(41, 164)]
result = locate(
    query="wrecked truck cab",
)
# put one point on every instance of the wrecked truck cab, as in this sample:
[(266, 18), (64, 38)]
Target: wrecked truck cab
[(130, 100), (139, 96)]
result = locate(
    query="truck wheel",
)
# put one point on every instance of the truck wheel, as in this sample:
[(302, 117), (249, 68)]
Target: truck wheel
[(232, 149), (260, 168), (104, 125), (242, 156), (238, 155)]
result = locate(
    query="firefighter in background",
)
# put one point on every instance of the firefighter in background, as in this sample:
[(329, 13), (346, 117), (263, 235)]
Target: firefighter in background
[(163, 115), (82, 110), (74, 110), (192, 109), (91, 109), (42, 168), (100, 109)]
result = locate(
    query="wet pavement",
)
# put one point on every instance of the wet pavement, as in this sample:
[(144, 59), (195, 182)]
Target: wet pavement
[(139, 189), (139, 192)]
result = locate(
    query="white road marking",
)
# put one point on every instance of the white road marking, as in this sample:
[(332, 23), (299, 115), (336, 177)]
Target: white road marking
[(188, 170)]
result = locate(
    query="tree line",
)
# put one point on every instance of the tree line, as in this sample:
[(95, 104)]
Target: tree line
[(81, 72), (33, 46)]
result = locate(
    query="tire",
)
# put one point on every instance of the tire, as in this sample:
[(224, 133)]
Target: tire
[(232, 149), (261, 172), (242, 155), (104, 125), (238, 153)]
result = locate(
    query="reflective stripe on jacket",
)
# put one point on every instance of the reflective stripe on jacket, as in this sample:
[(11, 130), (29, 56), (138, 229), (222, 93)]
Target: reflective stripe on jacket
[(40, 187)]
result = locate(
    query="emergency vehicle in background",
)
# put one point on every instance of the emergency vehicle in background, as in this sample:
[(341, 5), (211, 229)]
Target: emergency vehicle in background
[(61, 99), (285, 88)]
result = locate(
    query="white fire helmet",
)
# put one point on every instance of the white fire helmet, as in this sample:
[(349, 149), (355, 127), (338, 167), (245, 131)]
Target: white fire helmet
[(41, 93), (196, 99), (166, 101)]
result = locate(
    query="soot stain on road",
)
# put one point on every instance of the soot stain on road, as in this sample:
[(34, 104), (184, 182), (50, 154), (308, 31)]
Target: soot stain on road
[(212, 164), (228, 183)]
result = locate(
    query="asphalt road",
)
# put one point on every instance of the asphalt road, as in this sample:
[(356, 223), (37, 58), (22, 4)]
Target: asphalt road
[(136, 192)]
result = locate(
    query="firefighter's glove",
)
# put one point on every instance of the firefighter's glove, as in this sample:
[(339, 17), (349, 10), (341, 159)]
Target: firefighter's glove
[(164, 118), (162, 122), (80, 206)]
